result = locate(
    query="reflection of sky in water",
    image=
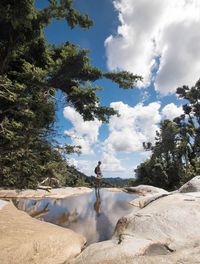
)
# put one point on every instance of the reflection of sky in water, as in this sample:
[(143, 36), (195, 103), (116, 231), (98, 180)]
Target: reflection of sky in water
[(93, 215)]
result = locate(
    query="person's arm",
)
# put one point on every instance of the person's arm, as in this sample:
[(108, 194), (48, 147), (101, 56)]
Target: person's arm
[(100, 173)]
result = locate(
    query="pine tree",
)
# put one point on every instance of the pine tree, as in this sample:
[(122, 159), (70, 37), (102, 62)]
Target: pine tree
[(31, 72)]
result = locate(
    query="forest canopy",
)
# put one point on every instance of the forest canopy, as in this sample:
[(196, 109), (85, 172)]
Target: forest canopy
[(175, 155), (32, 71)]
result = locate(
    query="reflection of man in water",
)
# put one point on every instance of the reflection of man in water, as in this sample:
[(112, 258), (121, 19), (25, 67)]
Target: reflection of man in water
[(98, 174), (97, 202), (104, 227)]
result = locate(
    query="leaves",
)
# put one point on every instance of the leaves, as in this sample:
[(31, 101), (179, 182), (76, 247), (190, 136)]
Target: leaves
[(31, 73), (175, 155), (125, 79)]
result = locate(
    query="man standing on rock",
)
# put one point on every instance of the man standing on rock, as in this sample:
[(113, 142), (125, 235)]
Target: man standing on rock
[(98, 173)]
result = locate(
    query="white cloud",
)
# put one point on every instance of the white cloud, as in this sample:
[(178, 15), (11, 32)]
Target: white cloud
[(167, 28), (127, 132), (85, 166), (110, 163), (180, 62), (171, 111), (83, 133), (134, 126)]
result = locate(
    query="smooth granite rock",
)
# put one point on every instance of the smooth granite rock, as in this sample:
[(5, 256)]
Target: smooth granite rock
[(144, 201), (145, 190), (56, 193), (25, 240), (191, 186), (163, 228), (165, 231)]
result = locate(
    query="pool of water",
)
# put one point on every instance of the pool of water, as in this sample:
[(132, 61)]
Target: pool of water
[(93, 214)]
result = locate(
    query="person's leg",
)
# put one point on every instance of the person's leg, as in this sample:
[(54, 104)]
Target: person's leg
[(98, 193)]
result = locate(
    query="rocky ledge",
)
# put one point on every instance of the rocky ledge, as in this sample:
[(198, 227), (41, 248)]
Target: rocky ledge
[(162, 228), (165, 229), (26, 240), (56, 193)]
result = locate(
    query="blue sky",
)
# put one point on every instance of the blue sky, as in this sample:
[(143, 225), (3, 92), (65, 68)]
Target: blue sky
[(156, 39)]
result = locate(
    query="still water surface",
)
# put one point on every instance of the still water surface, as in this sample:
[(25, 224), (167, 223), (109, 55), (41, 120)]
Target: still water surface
[(93, 215)]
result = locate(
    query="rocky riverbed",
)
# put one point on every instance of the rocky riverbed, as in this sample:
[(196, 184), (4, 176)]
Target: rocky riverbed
[(162, 228), (58, 193), (27, 240)]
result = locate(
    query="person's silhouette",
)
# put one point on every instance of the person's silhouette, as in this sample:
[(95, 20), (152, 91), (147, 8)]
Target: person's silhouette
[(97, 202), (98, 174)]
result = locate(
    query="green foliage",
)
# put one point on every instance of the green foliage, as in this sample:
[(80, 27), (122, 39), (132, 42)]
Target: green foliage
[(31, 72), (125, 79), (175, 155)]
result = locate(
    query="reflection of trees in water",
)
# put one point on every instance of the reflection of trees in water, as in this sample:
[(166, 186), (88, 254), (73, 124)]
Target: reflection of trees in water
[(35, 208), (41, 212), (104, 227), (15, 202), (67, 217)]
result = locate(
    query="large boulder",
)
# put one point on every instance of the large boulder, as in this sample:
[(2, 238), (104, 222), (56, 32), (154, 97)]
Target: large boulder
[(27, 240), (146, 194), (145, 190), (144, 201), (165, 231), (191, 186)]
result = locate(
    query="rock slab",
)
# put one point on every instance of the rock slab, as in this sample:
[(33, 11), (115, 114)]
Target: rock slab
[(191, 186), (26, 240), (165, 231), (57, 193)]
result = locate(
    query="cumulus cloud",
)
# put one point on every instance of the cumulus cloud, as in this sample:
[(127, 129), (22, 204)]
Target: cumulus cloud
[(85, 166), (127, 132), (134, 126), (149, 30), (83, 133), (171, 111), (110, 163)]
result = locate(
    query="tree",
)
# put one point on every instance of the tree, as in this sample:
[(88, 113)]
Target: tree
[(175, 156), (162, 169), (31, 72), (189, 123)]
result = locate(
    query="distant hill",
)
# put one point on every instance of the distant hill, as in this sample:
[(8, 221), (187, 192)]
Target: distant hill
[(77, 178), (117, 182)]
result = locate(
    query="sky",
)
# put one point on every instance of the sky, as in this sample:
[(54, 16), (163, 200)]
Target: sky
[(159, 40)]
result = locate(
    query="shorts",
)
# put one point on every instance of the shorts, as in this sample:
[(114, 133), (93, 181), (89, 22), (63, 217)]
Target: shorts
[(98, 176)]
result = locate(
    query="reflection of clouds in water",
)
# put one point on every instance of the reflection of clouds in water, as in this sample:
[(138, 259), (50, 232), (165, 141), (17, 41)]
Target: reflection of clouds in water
[(78, 212), (35, 208), (87, 225), (67, 218), (68, 206), (116, 208), (103, 225), (83, 204)]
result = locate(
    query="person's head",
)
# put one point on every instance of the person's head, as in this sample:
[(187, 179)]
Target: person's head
[(99, 162)]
